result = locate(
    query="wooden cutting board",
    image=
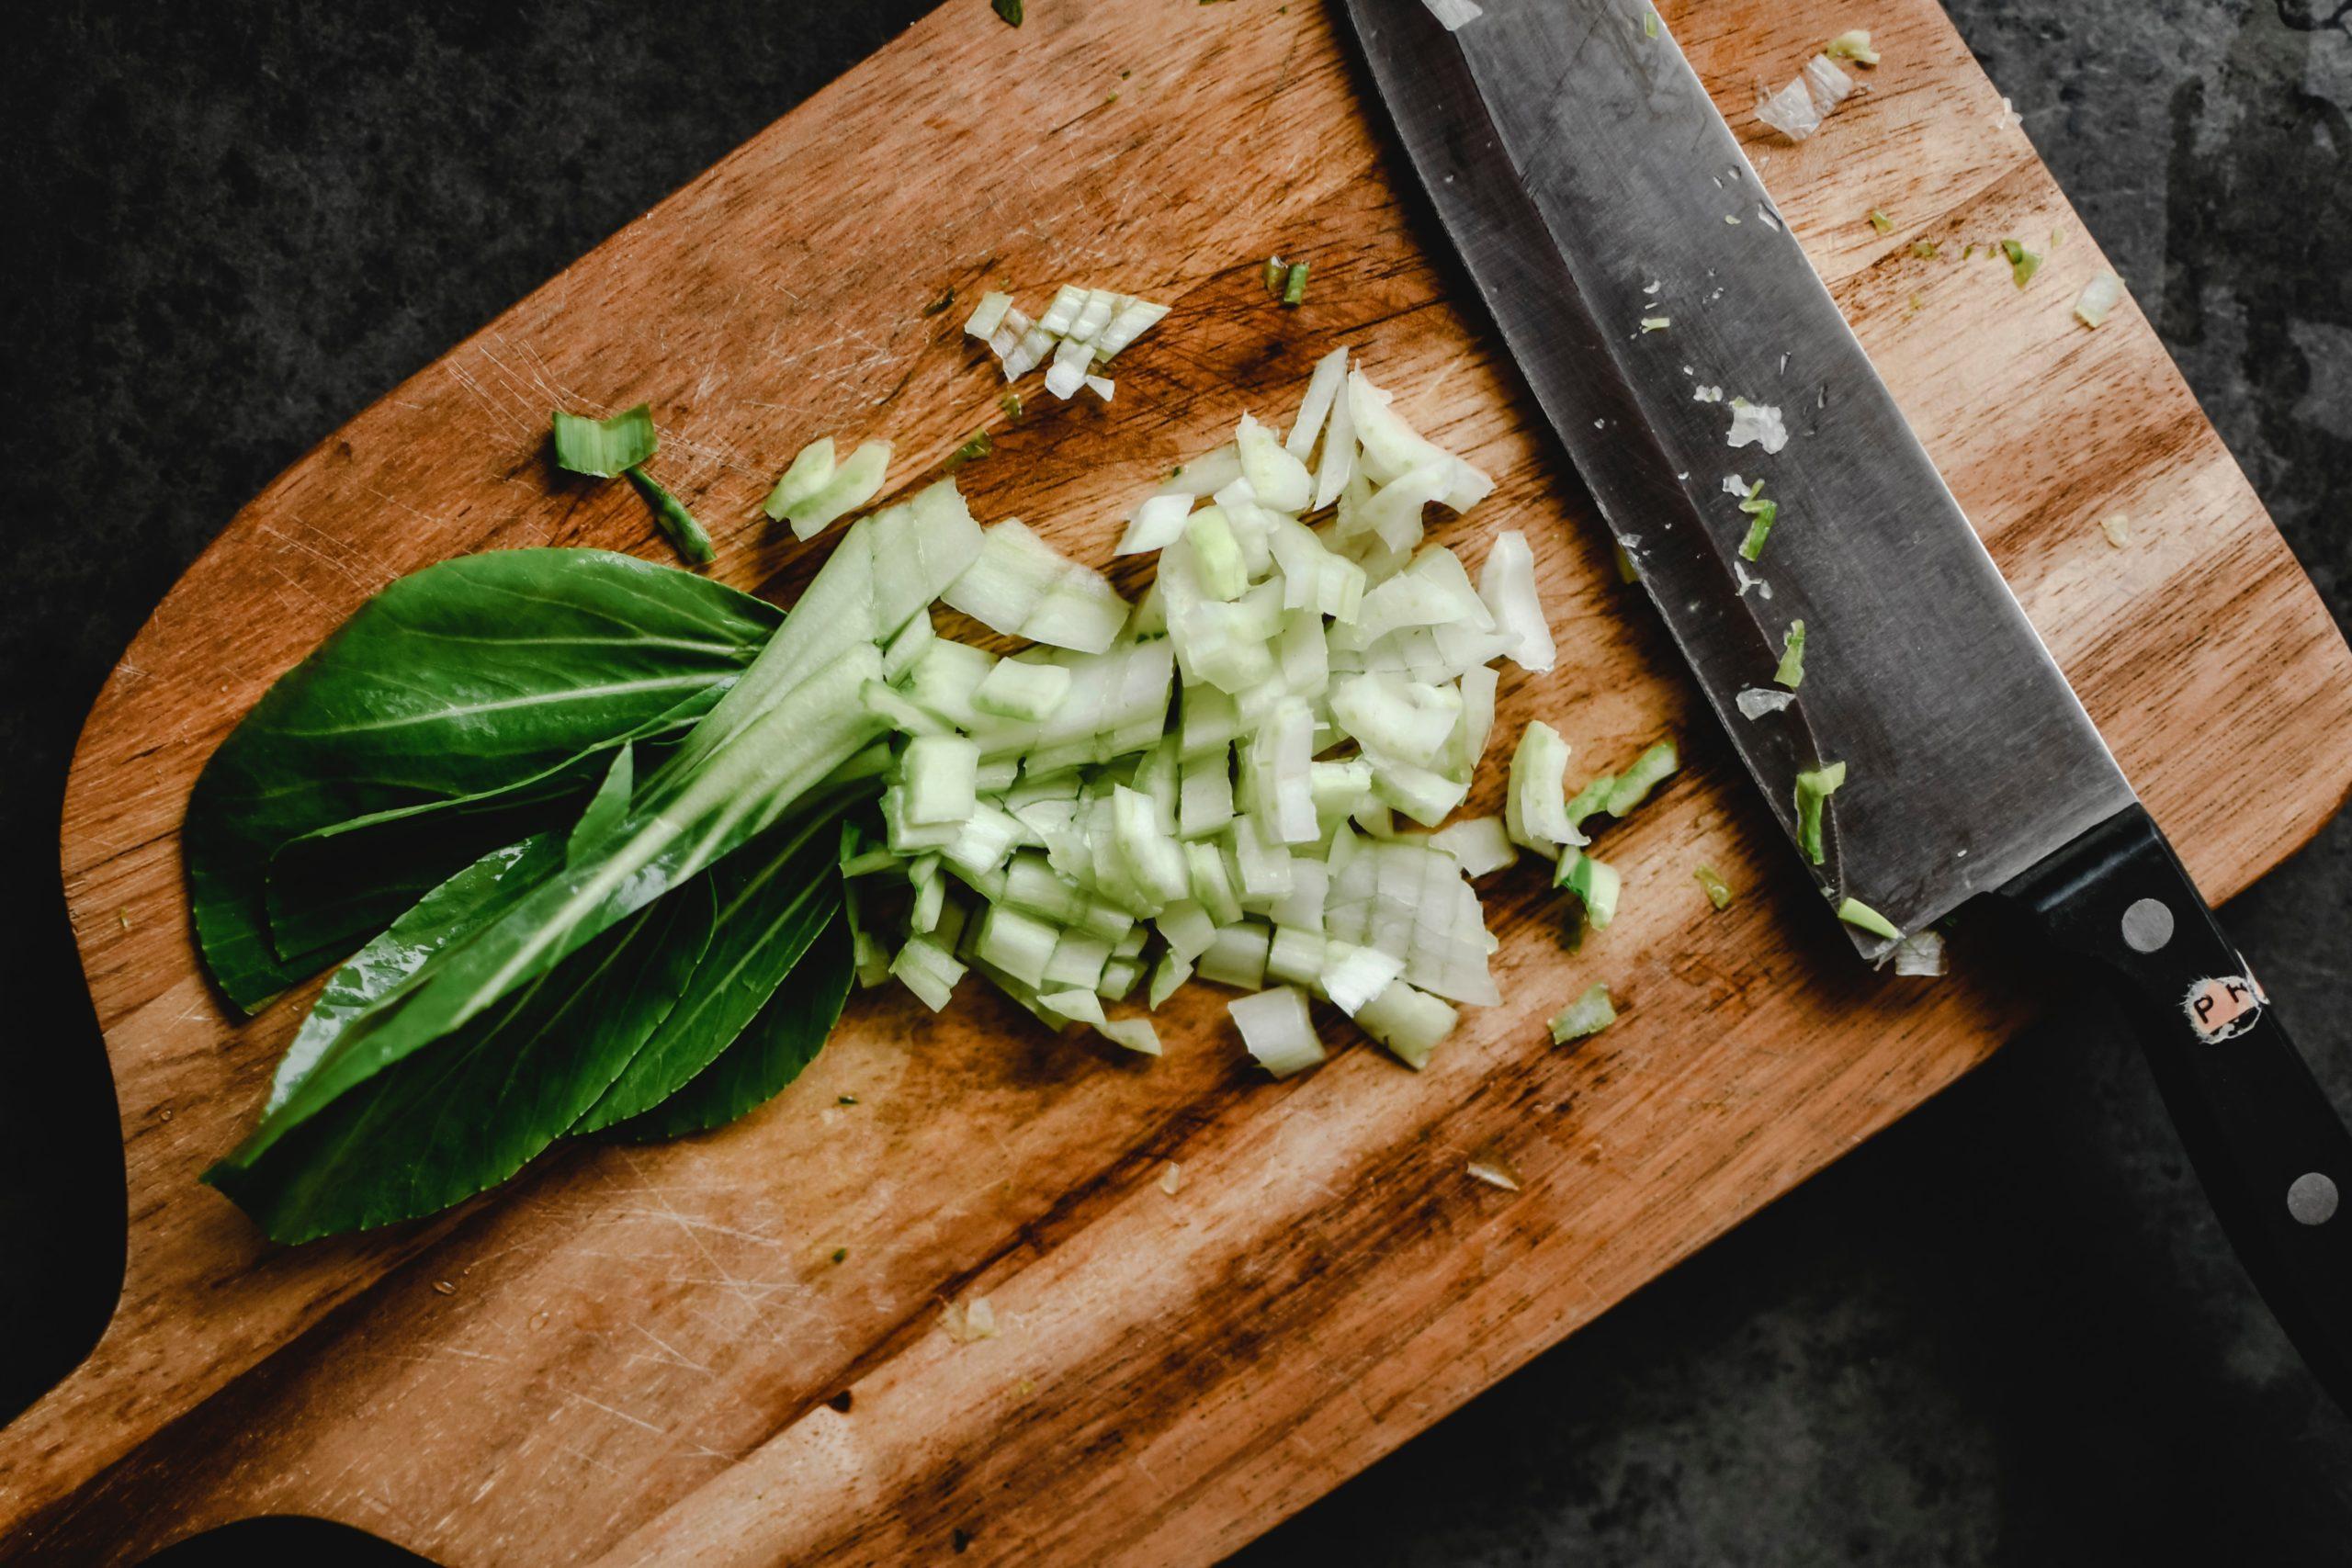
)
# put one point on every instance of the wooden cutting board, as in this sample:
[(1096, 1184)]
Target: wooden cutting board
[(653, 1354)]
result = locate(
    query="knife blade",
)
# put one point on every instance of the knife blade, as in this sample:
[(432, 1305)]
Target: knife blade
[(1641, 280), (1590, 184)]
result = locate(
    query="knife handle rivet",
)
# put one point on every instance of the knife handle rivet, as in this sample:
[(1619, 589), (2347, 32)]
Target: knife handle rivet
[(2147, 925), (2313, 1199)]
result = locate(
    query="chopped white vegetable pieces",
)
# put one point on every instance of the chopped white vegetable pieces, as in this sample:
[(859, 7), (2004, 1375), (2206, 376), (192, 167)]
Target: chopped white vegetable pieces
[(1797, 110), (1022, 586), (1507, 584), (2098, 296), (813, 494), (1081, 329), (1919, 954), (1276, 1030), (1758, 424), (1480, 843), (1228, 779)]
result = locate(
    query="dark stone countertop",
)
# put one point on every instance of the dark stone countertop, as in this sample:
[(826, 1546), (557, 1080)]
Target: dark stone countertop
[(2006, 1331)]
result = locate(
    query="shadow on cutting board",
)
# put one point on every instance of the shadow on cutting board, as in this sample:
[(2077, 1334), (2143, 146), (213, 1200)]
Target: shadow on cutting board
[(285, 1540)]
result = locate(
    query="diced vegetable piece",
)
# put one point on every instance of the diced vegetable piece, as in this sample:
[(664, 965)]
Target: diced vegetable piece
[(1337, 462), (1119, 977), (811, 470), (1295, 956), (936, 775), (1791, 672), (1262, 867), (988, 315), (1158, 522), (1275, 770), (982, 842), (1403, 719), (1588, 1015), (1021, 945), (1762, 513), (1212, 883), (1024, 689), (931, 895), (1205, 794), (1216, 556), (1854, 912), (1410, 1024), (2100, 297), (1277, 477), (1920, 953), (944, 676), (1390, 448), (1507, 586), (1238, 955), (1323, 389), (907, 647), (1276, 1030), (1067, 374), (604, 448), (1081, 611), (1167, 975), (2023, 263), (1352, 976), (1633, 785), (1078, 961), (1815, 787), (1187, 928), (1154, 861), (1301, 908), (927, 969), (1100, 303), (1718, 890), (1009, 580), (1596, 884), (1061, 314), (1085, 1008), (1421, 794), (1480, 844), (851, 486), (1535, 808), (1853, 44), (1134, 319)]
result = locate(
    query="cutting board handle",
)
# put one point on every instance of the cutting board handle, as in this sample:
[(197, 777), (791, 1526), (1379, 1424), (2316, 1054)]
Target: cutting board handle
[(2275, 1158)]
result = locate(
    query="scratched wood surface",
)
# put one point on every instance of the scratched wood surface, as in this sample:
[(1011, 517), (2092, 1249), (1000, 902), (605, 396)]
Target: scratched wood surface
[(650, 1354)]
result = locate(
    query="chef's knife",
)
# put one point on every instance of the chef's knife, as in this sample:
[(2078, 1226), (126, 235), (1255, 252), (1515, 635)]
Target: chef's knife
[(1641, 280)]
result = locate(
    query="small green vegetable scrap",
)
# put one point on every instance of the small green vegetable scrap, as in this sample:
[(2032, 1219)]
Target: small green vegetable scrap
[(1854, 912), (980, 445), (1792, 670), (1881, 221), (1761, 514), (1009, 10), (1718, 890), (600, 448), (2023, 263), (1815, 787), (1588, 1015)]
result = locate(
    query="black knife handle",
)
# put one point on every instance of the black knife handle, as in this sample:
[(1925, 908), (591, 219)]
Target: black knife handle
[(2274, 1157)]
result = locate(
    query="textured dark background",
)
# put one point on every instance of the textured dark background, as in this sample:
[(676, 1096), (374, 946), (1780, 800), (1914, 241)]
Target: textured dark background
[(2006, 1331)]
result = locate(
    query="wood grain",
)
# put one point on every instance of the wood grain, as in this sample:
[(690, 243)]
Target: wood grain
[(650, 1354)]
